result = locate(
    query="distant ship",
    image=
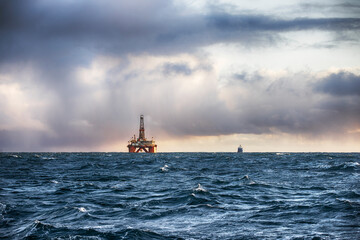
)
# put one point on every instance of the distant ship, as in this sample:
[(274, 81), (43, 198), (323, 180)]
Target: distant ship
[(240, 149)]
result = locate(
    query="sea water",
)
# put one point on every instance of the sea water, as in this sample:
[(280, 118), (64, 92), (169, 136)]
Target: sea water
[(180, 196)]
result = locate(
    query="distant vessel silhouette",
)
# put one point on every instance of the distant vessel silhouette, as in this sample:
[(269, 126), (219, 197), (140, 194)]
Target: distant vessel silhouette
[(240, 149)]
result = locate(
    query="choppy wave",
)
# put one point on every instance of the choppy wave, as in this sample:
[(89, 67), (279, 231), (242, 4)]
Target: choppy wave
[(39, 230), (179, 196)]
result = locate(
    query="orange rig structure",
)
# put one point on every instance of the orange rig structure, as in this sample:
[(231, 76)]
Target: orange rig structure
[(142, 144)]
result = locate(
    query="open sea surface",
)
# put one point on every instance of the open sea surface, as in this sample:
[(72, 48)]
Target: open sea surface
[(180, 196)]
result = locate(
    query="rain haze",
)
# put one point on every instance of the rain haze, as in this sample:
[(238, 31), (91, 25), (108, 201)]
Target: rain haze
[(207, 75)]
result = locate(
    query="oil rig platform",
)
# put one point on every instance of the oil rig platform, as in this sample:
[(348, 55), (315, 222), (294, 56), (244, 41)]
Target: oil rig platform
[(142, 144)]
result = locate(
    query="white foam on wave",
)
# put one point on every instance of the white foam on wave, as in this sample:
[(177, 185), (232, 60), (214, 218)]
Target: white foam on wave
[(246, 179), (117, 186), (200, 188), (352, 164), (282, 153), (2, 207), (109, 226), (348, 201), (165, 168), (82, 209), (54, 181)]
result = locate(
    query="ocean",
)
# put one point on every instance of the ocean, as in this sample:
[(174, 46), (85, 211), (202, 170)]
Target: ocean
[(180, 196)]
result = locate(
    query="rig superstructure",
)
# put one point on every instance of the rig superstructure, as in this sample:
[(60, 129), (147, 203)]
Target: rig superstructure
[(142, 144)]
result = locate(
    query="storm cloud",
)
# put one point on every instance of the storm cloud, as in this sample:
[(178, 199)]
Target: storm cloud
[(340, 84), (68, 30), (76, 74)]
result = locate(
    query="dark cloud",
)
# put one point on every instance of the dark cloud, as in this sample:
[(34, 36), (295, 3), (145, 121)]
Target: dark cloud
[(340, 84), (348, 7), (227, 22), (72, 32), (288, 104), (261, 104)]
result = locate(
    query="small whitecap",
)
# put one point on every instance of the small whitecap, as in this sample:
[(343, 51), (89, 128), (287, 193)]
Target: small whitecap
[(101, 227), (200, 188), (282, 153), (2, 207), (54, 181), (346, 201), (165, 168), (352, 164), (117, 186), (246, 180), (82, 209), (246, 177)]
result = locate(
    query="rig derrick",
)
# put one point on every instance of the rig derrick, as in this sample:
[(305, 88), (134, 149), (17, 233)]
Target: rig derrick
[(141, 143)]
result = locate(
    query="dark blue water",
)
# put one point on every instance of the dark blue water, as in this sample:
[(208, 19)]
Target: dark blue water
[(179, 196)]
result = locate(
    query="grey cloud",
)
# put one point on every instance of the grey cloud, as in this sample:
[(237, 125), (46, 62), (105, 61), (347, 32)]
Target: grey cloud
[(282, 105), (248, 77), (227, 22), (70, 33), (289, 105), (342, 6), (285, 108), (177, 68), (340, 84), (57, 37), (33, 140)]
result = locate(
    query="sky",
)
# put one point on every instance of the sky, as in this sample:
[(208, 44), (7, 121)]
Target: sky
[(278, 76)]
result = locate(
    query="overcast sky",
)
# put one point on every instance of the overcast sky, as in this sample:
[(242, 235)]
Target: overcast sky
[(75, 75)]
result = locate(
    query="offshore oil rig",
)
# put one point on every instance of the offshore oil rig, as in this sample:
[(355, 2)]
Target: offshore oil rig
[(142, 144)]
